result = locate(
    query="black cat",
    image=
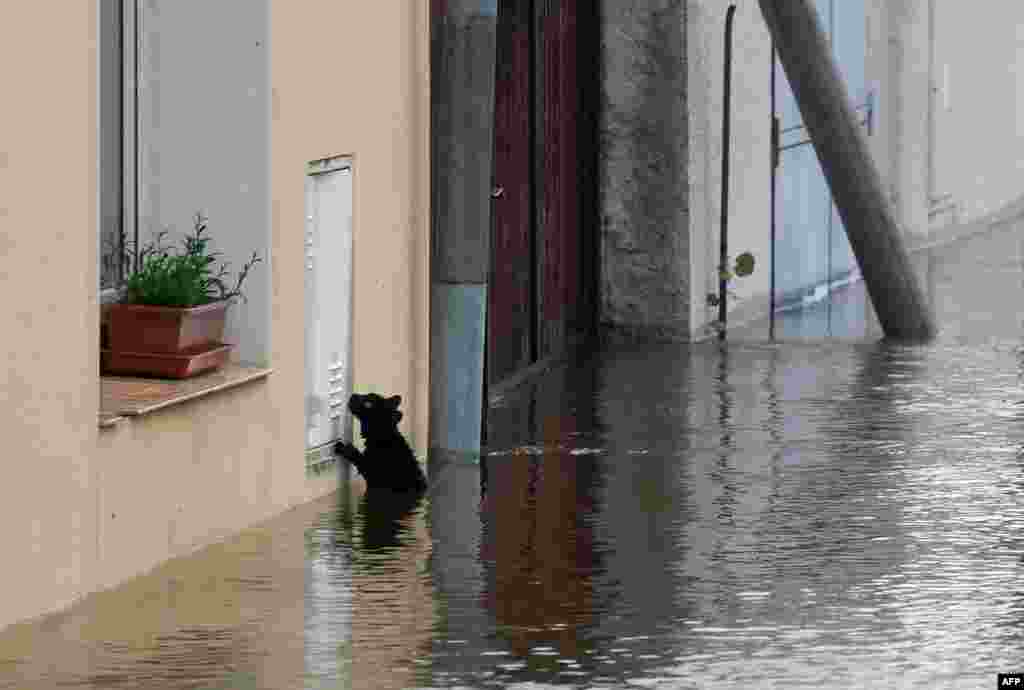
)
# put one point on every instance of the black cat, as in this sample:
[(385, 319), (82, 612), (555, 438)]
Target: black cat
[(388, 462)]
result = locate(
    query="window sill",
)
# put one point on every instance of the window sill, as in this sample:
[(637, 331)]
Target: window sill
[(122, 397)]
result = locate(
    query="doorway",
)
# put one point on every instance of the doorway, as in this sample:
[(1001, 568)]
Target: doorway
[(543, 275), (813, 256)]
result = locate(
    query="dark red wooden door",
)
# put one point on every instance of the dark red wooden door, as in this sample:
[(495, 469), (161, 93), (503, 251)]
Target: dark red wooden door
[(510, 310), (543, 166), (559, 249)]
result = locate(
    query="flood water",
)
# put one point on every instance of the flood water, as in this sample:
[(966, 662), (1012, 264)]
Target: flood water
[(825, 511)]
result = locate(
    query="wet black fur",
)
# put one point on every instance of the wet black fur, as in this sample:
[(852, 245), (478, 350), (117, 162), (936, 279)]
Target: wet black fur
[(386, 518), (388, 462)]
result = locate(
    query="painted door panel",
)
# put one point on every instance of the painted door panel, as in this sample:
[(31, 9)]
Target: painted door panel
[(812, 249), (803, 203)]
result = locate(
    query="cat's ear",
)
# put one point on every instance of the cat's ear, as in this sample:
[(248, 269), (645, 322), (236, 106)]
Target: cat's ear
[(394, 401)]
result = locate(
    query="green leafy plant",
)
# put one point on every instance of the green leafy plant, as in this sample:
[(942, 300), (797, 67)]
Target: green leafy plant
[(169, 277), (742, 267)]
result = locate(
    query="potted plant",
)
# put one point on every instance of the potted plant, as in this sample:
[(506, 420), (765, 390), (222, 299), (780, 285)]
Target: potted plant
[(171, 319)]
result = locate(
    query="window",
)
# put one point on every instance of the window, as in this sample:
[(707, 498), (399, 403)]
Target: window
[(129, 92), (118, 68)]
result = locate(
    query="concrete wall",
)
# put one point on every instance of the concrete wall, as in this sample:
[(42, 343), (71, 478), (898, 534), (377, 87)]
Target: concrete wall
[(897, 68), (83, 509), (950, 136), (878, 59), (946, 156), (661, 134), (980, 111), (750, 152), (642, 169), (946, 137)]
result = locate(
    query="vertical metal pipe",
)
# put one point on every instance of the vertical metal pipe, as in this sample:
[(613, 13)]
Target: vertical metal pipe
[(828, 254), (774, 168), (726, 108)]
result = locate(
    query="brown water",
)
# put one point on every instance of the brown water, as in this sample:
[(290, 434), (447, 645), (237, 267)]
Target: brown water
[(833, 513)]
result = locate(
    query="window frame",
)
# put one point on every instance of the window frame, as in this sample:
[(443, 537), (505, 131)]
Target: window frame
[(126, 175)]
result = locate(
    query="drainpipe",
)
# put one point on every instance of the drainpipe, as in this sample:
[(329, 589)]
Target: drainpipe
[(723, 260), (462, 43), (774, 168)]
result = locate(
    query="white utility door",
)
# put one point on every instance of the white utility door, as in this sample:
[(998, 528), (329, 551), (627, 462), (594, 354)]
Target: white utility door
[(328, 257)]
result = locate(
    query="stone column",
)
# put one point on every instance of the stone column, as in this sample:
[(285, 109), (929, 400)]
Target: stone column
[(852, 177), (462, 57), (643, 170)]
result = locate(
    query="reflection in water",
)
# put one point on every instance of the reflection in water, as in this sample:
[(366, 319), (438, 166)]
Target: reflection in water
[(825, 514), (538, 551)]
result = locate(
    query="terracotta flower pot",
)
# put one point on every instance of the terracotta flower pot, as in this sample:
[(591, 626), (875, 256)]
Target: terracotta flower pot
[(168, 330)]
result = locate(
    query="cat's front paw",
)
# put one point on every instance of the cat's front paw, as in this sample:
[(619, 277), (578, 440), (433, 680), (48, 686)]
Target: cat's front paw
[(346, 450)]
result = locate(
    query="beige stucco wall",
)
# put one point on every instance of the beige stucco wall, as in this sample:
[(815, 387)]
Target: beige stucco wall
[(48, 272), (353, 78), (83, 509)]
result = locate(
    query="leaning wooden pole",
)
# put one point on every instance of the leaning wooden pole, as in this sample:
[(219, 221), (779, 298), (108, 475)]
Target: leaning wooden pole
[(852, 177)]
